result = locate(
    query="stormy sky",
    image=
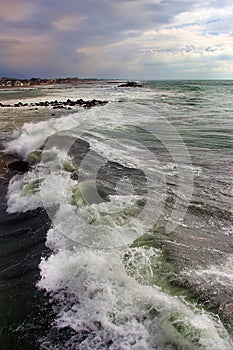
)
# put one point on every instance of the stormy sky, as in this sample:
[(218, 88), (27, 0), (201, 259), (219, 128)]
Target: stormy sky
[(131, 39)]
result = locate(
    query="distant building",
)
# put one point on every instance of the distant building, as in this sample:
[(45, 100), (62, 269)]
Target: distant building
[(35, 81), (18, 83), (26, 83), (8, 83), (13, 82)]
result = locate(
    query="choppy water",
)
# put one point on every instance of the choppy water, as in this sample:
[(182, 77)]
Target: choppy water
[(134, 242)]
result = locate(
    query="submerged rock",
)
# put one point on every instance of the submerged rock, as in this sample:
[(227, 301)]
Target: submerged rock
[(184, 333), (89, 192), (31, 188), (69, 166), (35, 156), (40, 155), (19, 166)]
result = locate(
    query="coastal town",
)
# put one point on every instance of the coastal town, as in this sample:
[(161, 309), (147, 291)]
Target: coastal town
[(6, 82)]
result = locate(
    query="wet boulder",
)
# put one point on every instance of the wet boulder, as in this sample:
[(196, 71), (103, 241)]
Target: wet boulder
[(19, 166)]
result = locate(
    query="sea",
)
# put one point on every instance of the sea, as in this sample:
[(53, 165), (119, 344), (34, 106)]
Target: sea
[(119, 235)]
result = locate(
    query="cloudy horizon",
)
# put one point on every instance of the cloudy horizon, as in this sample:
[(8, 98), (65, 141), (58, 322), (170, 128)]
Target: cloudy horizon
[(124, 39)]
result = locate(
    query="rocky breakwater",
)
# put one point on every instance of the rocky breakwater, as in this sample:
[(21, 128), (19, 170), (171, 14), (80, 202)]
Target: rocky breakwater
[(68, 104)]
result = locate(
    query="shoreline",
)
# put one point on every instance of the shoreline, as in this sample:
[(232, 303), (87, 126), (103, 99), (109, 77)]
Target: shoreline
[(79, 83)]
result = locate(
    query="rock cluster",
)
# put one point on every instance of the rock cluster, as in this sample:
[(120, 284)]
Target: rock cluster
[(130, 84), (58, 104)]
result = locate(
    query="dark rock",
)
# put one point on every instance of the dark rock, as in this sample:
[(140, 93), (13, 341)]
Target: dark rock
[(87, 105), (60, 104), (226, 314), (130, 84), (19, 104), (19, 166), (80, 102), (58, 107)]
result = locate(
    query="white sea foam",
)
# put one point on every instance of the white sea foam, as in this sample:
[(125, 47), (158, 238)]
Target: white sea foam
[(16, 201), (220, 274), (33, 136), (111, 305)]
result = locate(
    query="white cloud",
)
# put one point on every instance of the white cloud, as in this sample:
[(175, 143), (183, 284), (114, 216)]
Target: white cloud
[(206, 15), (69, 23)]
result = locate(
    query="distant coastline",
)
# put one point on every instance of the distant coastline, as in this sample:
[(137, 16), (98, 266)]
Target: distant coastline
[(6, 82)]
